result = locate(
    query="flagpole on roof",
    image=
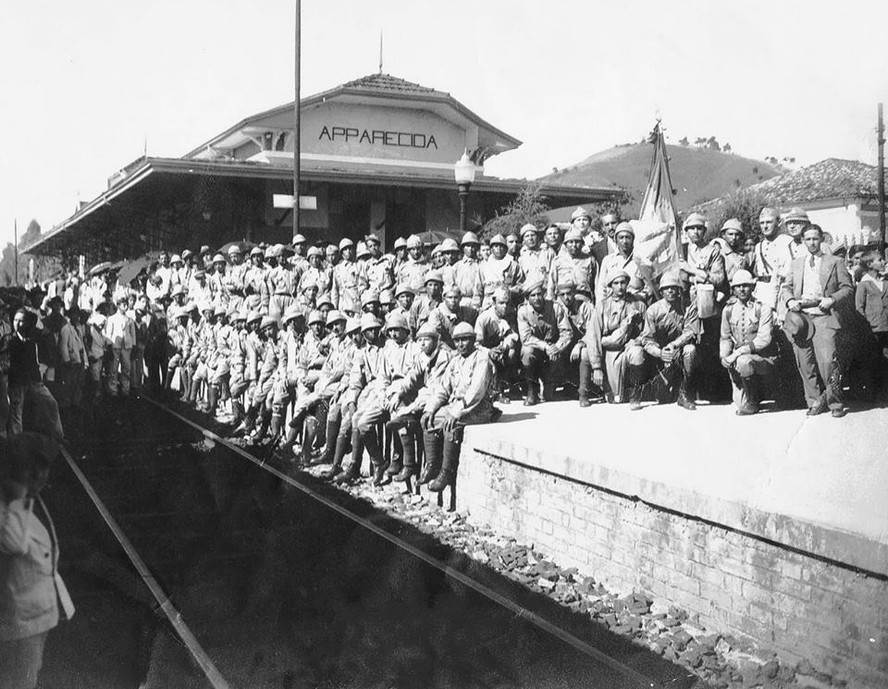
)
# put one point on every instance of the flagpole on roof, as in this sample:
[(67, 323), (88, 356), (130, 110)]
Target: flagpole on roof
[(880, 138)]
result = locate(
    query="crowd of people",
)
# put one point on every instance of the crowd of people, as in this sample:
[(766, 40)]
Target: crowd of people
[(336, 350)]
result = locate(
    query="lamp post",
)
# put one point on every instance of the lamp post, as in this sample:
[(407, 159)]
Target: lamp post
[(464, 173)]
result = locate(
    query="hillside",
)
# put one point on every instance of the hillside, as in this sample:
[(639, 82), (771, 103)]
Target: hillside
[(698, 174)]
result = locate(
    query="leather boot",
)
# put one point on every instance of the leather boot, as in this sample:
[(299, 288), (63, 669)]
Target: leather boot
[(309, 434), (168, 380), (322, 409), (212, 399), (634, 388), (685, 396), (449, 465), (353, 470), (408, 468), (531, 397), (340, 448), (288, 443), (431, 441), (276, 421), (396, 463), (334, 422), (371, 442), (750, 397), (237, 411), (548, 392)]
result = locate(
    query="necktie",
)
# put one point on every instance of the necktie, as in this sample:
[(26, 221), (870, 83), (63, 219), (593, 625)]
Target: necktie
[(811, 261)]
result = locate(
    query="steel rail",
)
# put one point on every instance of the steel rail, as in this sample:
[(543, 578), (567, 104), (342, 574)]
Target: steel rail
[(172, 614), (519, 611)]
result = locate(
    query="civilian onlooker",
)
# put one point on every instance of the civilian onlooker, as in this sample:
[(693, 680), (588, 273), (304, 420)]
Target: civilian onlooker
[(73, 363), (121, 331), (871, 298)]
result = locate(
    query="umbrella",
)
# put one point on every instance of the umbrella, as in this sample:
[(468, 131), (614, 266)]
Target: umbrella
[(131, 269), (244, 247), (99, 268), (438, 236)]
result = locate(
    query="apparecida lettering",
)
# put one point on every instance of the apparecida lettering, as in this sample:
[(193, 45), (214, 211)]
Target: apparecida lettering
[(378, 136)]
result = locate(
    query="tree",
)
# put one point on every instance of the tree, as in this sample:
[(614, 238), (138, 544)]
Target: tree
[(7, 260), (745, 204), (529, 206), (684, 141), (727, 147)]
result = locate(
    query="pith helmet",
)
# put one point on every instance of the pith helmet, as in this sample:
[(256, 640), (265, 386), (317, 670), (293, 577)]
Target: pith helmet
[(369, 322), (462, 330), (694, 220), (470, 238), (580, 212), (742, 277)]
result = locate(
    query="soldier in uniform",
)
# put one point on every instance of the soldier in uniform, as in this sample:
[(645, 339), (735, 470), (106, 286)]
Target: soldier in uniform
[(378, 273), (795, 222), (331, 256), (546, 334), (413, 270), (730, 242), (431, 298), (670, 330), (532, 259), (747, 349), (450, 312), (497, 331), (399, 255), (450, 253), (500, 270), (345, 291), (571, 265), (771, 259), (641, 281), (467, 272), (462, 397), (319, 272), (581, 315)]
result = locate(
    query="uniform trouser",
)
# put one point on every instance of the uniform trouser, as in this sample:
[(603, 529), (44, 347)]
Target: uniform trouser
[(483, 413), (654, 366), (747, 366), (818, 365), (46, 411), (538, 365), (278, 304), (21, 660), (370, 410), (507, 362), (4, 403), (121, 364), (616, 369)]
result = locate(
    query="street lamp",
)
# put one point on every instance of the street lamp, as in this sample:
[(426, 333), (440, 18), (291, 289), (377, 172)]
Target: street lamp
[(464, 173)]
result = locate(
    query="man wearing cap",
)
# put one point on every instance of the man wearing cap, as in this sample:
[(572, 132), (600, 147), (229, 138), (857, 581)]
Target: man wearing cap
[(449, 312), (235, 276), (817, 292), (497, 331), (219, 367), (399, 254), (178, 275), (747, 349), (121, 332), (205, 259), (532, 258), (204, 351), (296, 362), (298, 262), (377, 273), (571, 265), (450, 252), (730, 243), (345, 290), (216, 280), (581, 221), (268, 364), (254, 278), (188, 266), (545, 331), (641, 282), (500, 270), (467, 271), (613, 338), (432, 296), (413, 269), (795, 221), (242, 391), (281, 283), (772, 257), (406, 305), (670, 330), (406, 399), (581, 315), (331, 256), (462, 397), (319, 272)]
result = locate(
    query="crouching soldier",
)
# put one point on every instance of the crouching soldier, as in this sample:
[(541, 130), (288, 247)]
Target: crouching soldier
[(746, 348), (462, 397), (546, 333), (670, 330), (497, 331)]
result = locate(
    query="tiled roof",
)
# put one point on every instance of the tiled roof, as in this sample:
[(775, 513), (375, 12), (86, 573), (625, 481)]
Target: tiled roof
[(832, 178), (388, 83)]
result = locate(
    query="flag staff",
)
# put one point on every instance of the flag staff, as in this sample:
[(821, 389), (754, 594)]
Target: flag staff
[(880, 138), (296, 116)]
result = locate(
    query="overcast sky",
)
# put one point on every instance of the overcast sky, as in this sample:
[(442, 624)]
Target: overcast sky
[(86, 83)]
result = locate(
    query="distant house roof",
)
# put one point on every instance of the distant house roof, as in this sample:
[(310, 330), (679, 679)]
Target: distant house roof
[(833, 178)]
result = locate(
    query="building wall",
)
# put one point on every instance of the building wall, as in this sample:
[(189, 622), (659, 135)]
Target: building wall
[(787, 602)]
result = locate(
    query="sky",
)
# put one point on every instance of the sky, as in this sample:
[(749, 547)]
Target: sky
[(89, 86)]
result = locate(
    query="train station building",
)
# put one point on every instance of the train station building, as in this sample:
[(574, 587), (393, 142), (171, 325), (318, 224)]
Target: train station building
[(377, 154)]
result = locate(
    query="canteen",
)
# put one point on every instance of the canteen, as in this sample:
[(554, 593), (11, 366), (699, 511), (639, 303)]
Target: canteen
[(706, 301)]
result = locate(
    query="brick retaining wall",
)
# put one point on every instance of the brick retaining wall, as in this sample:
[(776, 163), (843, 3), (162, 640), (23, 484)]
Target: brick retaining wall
[(781, 598)]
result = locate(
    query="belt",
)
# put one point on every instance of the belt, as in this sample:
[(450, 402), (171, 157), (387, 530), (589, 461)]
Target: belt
[(764, 278)]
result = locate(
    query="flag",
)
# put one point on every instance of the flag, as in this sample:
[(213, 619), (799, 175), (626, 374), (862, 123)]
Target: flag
[(657, 232)]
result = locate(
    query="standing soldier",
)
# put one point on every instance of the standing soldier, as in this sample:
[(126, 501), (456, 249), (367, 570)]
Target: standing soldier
[(532, 259), (467, 272), (747, 349), (413, 270), (399, 255), (500, 270), (450, 253), (795, 222), (298, 262), (571, 265), (641, 282), (378, 273), (345, 291), (546, 333), (431, 298), (730, 242), (771, 259)]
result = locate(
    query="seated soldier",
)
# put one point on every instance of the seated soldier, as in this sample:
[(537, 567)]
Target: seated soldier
[(747, 349), (450, 312), (407, 399), (612, 342), (670, 330), (546, 334), (497, 331), (462, 397)]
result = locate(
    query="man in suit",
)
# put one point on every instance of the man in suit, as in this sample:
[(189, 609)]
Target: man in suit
[(817, 291)]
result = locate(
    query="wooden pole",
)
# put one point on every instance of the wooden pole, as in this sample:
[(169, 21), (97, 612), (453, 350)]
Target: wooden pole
[(880, 133), (15, 252), (296, 116)]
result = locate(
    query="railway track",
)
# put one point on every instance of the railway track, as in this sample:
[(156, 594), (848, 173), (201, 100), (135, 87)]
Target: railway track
[(261, 578)]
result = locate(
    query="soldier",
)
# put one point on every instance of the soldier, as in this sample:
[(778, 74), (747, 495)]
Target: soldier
[(747, 349), (298, 262), (378, 272), (462, 397), (431, 298), (413, 270), (450, 312), (500, 270), (399, 254), (345, 291), (670, 330), (216, 281), (467, 272), (816, 293), (581, 221), (331, 256), (581, 316), (407, 306), (235, 276), (572, 266), (513, 245), (546, 333), (771, 259), (641, 282), (319, 272), (281, 283), (613, 344), (497, 331), (532, 259), (730, 244), (450, 254)]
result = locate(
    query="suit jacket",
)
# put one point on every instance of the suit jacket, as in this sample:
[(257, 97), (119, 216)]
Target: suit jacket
[(835, 281)]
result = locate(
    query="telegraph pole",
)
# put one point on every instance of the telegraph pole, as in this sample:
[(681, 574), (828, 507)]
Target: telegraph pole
[(15, 253), (880, 138), (296, 115)]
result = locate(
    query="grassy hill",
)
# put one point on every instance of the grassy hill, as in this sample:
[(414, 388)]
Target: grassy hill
[(698, 174)]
